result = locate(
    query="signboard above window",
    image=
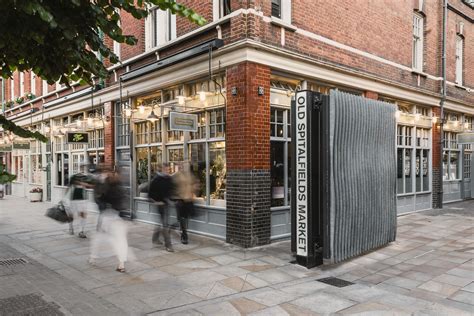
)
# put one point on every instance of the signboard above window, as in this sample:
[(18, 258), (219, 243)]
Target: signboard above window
[(183, 122), (77, 138)]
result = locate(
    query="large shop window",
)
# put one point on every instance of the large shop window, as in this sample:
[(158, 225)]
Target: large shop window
[(280, 156), (451, 155), (122, 125), (413, 159)]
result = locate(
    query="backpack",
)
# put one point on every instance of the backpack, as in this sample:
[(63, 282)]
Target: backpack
[(161, 187)]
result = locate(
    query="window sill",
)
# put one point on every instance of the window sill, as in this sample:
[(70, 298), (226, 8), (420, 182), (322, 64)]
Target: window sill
[(419, 73), (454, 180), (281, 23), (460, 86)]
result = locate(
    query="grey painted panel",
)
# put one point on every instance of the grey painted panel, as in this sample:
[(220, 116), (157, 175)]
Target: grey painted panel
[(363, 175), (217, 217)]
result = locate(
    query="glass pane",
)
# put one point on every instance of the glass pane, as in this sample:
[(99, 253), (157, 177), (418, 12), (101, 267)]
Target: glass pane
[(408, 171), (280, 116), (445, 166), (59, 163), (400, 170), (217, 172), (175, 158), (155, 160), (453, 166), (66, 168), (272, 115), (142, 167), (197, 153), (418, 171), (277, 173), (280, 130), (425, 169)]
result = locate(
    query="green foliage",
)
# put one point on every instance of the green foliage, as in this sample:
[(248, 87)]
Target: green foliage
[(56, 39), (17, 130), (6, 177)]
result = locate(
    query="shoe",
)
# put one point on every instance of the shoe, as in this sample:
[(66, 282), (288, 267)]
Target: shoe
[(184, 239), (121, 270), (169, 249), (82, 235)]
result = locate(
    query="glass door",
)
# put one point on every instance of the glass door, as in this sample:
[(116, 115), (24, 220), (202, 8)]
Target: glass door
[(175, 157)]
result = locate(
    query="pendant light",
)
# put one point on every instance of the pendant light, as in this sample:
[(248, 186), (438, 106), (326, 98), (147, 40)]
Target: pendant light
[(152, 117)]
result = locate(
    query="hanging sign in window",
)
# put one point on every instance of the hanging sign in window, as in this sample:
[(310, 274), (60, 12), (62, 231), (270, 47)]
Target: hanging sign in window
[(183, 122), (5, 148), (21, 145), (77, 138)]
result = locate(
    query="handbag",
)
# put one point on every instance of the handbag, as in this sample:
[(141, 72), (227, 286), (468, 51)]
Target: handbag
[(58, 213)]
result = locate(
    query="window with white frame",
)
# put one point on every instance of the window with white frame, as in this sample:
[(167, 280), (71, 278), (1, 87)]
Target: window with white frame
[(122, 125), (281, 9), (45, 88), (117, 49), (422, 159), (35, 162), (459, 59), (221, 8), (404, 159), (280, 155), (33, 83), (22, 84), (418, 27), (160, 27), (12, 89), (451, 155)]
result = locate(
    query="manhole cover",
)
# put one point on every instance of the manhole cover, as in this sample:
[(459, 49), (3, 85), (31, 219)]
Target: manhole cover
[(12, 261), (335, 282)]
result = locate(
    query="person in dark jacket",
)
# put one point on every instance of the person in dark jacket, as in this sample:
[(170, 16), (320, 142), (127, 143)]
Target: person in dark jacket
[(160, 192), (78, 201)]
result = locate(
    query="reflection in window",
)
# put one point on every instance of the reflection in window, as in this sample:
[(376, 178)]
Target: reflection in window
[(175, 158), (217, 123), (217, 171), (142, 167), (451, 154), (197, 153), (277, 173)]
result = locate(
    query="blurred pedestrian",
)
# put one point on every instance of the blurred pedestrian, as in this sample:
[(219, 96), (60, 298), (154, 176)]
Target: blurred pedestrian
[(99, 178), (114, 230), (160, 192), (77, 196), (186, 187)]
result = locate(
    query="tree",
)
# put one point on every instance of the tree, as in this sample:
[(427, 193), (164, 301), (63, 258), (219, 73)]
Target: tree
[(58, 39)]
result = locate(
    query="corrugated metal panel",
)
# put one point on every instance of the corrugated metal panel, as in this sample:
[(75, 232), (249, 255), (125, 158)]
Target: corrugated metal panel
[(363, 175)]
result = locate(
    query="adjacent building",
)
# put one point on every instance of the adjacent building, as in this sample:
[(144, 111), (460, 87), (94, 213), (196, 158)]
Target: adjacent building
[(238, 74)]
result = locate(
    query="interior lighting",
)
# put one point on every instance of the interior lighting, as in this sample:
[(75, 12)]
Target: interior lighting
[(202, 94), (152, 117), (141, 109), (128, 112), (417, 117), (79, 122)]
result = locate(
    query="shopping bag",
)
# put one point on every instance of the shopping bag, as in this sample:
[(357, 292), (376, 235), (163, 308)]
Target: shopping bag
[(58, 213)]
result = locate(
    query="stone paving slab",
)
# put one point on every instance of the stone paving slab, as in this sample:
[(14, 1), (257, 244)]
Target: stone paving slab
[(428, 270)]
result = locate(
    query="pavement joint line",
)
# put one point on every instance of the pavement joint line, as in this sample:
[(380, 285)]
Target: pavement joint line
[(424, 254)]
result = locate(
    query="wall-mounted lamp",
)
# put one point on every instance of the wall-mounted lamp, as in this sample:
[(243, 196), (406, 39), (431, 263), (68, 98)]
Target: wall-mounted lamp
[(233, 90), (260, 90)]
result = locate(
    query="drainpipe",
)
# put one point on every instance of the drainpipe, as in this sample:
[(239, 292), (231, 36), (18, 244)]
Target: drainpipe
[(441, 104), (3, 95)]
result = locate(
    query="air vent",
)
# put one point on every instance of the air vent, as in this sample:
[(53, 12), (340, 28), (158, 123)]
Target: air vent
[(12, 261), (335, 282)]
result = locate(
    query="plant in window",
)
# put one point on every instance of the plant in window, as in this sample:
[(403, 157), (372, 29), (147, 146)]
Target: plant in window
[(218, 170), (142, 171)]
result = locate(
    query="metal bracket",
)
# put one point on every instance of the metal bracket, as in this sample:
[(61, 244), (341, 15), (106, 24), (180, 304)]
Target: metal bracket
[(317, 103)]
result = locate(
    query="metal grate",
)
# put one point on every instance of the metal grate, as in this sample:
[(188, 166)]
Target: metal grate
[(12, 261), (335, 282)]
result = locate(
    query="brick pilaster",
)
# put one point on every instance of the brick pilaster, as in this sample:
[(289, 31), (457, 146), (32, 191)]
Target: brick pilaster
[(371, 95), (248, 155), (109, 137)]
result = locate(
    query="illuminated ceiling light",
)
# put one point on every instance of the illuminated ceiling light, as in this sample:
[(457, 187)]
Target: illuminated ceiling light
[(466, 125), (417, 116), (141, 109), (152, 117), (90, 120), (128, 112), (202, 94), (79, 122)]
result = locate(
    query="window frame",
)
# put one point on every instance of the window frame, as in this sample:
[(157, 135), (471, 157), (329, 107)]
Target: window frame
[(156, 20), (418, 42), (459, 55)]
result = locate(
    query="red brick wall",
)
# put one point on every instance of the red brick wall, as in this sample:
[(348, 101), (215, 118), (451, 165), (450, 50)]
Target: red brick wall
[(202, 7), (131, 26), (248, 117)]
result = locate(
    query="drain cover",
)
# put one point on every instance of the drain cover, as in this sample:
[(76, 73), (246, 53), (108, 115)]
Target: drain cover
[(30, 304), (12, 261), (335, 282)]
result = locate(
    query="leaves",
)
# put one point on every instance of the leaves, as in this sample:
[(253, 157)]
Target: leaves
[(54, 38), (19, 131)]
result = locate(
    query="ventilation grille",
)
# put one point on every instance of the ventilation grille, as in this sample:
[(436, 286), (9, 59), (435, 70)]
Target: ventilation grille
[(12, 261), (335, 282)]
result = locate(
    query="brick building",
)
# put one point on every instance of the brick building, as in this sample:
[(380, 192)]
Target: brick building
[(238, 73)]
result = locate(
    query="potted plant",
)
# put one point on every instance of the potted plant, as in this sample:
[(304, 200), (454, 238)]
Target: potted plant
[(19, 100), (5, 178), (9, 104), (30, 96), (36, 194)]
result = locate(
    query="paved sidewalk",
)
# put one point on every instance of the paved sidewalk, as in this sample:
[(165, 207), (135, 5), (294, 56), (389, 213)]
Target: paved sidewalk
[(429, 270)]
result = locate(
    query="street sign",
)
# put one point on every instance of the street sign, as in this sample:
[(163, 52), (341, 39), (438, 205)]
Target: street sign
[(77, 138), (465, 138), (5, 148), (21, 145), (183, 122)]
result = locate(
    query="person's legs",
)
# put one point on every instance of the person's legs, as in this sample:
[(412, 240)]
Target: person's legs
[(120, 242), (82, 212), (166, 229)]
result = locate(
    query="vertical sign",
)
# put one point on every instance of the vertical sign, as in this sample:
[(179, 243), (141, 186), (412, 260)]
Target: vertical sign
[(301, 174)]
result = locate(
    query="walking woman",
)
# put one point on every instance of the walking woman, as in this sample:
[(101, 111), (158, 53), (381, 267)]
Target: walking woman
[(114, 230)]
